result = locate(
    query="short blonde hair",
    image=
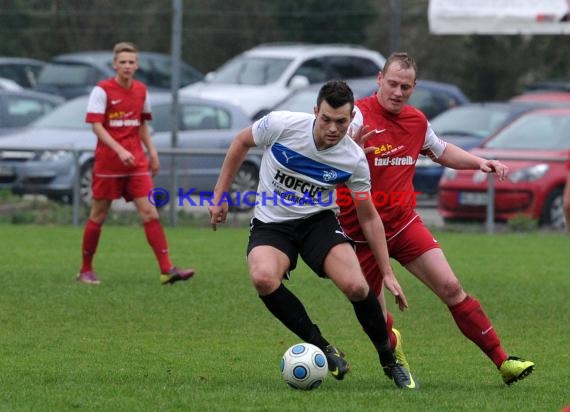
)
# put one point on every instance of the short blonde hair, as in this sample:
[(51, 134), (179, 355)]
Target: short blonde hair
[(124, 46)]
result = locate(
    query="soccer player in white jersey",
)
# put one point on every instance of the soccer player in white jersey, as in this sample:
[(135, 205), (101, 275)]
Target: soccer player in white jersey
[(306, 156)]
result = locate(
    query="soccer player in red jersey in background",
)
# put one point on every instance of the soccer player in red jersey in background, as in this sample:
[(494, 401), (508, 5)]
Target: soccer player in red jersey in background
[(394, 134), (118, 110)]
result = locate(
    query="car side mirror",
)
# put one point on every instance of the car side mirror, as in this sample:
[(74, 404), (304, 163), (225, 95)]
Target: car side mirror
[(298, 82)]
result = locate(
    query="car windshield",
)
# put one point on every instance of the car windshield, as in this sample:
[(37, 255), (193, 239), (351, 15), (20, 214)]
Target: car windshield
[(70, 115), (470, 121), (64, 74), (536, 131), (255, 71)]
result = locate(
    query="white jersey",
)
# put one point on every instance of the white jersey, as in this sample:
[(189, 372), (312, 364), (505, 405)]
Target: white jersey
[(296, 180)]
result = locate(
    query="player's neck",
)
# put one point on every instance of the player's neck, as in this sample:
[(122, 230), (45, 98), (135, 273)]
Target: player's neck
[(125, 82)]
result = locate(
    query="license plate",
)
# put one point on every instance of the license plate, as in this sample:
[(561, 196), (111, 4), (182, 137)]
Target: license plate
[(472, 199)]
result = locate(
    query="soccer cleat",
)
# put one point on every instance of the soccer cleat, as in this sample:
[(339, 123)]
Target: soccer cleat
[(338, 366), (399, 351), (176, 274), (87, 277), (401, 376), (514, 369)]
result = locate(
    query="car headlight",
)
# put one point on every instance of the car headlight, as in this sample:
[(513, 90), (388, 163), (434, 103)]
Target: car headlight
[(424, 161), (529, 174), (54, 155), (449, 174)]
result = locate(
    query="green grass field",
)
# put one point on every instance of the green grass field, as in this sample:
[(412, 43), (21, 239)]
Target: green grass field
[(131, 344)]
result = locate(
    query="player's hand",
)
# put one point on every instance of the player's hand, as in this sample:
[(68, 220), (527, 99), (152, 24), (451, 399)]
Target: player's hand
[(392, 284), (154, 165), (494, 166), (127, 158), (360, 135), (218, 214)]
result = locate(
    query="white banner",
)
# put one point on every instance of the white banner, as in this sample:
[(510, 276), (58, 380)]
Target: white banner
[(499, 16)]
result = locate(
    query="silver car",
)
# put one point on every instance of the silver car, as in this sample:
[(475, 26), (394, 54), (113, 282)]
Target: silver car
[(43, 158)]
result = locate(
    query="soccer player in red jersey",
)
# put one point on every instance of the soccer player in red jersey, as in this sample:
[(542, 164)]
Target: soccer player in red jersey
[(118, 110), (394, 134)]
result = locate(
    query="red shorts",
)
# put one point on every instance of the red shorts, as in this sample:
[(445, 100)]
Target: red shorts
[(409, 244), (129, 187)]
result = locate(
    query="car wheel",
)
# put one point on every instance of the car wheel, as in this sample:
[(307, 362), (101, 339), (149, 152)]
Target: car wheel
[(246, 180), (553, 210), (85, 181)]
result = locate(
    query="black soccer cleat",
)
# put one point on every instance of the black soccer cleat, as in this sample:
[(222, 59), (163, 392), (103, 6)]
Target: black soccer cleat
[(400, 375), (338, 366)]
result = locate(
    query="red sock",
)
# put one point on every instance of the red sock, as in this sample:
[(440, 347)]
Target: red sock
[(476, 326), (91, 236), (391, 334), (157, 241)]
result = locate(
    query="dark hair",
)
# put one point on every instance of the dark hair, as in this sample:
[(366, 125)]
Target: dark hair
[(336, 93), (402, 58)]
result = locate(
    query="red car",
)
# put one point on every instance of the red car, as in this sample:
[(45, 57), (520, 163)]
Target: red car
[(535, 147), (559, 98)]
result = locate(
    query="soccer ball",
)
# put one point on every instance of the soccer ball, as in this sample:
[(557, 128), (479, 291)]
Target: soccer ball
[(304, 366)]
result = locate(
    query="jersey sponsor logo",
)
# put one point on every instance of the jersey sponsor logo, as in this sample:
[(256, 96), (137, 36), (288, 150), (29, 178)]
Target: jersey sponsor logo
[(284, 180), (379, 131), (124, 122), (386, 149), (394, 161), (116, 101)]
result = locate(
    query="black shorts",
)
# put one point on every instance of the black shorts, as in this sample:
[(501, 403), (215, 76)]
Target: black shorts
[(312, 238)]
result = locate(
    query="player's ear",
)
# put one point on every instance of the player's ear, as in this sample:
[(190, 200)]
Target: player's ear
[(316, 110)]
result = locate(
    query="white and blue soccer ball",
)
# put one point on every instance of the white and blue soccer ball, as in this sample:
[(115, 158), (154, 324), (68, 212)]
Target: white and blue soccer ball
[(304, 366)]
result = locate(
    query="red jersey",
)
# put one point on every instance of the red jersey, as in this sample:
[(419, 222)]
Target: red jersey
[(399, 138), (121, 111)]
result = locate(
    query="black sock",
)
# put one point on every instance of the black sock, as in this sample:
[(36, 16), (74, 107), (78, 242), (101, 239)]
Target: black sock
[(370, 317), (286, 307)]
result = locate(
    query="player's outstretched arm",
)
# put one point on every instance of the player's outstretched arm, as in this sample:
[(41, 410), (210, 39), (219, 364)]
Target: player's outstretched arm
[(232, 162), (456, 158)]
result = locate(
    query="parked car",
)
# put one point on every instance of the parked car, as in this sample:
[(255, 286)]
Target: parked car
[(23, 71), (548, 85), (430, 97), (260, 77), (21, 107), (75, 74), (50, 171), (561, 98), (535, 147), (466, 126), (7, 84)]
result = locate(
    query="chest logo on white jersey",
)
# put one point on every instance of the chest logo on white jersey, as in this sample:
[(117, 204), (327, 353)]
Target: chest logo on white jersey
[(329, 175)]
